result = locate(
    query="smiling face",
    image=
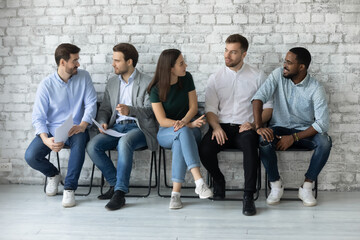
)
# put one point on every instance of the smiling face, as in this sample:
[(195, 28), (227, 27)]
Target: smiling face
[(234, 55), (291, 66), (72, 64), (179, 69)]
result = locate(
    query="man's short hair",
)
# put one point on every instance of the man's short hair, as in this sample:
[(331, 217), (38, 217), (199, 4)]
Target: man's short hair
[(303, 56), (129, 52), (237, 38), (64, 50)]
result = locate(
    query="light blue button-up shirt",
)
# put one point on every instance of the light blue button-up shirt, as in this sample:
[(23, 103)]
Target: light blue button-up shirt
[(297, 106), (56, 100), (125, 95)]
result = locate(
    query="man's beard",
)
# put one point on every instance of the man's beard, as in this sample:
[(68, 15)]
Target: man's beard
[(71, 71), (118, 72), (290, 76), (232, 64)]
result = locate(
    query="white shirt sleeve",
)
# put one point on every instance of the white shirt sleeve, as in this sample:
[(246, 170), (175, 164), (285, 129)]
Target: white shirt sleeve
[(211, 97)]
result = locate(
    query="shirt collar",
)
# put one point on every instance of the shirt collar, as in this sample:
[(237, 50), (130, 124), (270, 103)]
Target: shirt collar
[(305, 81), (131, 78), (58, 78), (233, 72)]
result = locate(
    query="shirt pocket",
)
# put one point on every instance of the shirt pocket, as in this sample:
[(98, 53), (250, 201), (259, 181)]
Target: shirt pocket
[(304, 103)]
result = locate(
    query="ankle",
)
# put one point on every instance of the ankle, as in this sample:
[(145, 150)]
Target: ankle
[(199, 182), (175, 194)]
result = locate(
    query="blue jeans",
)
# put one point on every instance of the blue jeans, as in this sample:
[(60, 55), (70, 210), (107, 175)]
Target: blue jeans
[(125, 145), (320, 143), (183, 144), (37, 151)]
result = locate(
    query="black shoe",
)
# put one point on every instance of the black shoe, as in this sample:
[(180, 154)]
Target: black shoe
[(219, 189), (249, 208), (117, 201), (108, 194)]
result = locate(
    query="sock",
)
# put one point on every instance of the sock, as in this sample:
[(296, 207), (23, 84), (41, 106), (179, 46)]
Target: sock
[(199, 182), (175, 194), (307, 185)]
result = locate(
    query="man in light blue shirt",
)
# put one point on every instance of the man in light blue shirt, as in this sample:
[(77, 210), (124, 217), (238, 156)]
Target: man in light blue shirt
[(300, 119), (68, 91)]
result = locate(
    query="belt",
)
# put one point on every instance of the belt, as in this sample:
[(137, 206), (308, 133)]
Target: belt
[(126, 121), (231, 124)]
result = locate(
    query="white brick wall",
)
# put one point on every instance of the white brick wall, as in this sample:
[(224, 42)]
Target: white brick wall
[(30, 31)]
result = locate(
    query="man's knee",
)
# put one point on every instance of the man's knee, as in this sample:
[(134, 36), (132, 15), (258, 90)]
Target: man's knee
[(125, 144), (263, 143), (323, 141), (80, 139), (250, 136), (30, 157)]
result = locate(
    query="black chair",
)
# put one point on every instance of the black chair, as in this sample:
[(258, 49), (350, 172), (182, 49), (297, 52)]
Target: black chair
[(163, 159), (268, 186), (90, 185), (258, 181), (149, 186)]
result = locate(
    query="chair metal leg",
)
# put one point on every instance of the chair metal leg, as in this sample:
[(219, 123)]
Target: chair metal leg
[(59, 168), (162, 158), (258, 188), (149, 186), (62, 183)]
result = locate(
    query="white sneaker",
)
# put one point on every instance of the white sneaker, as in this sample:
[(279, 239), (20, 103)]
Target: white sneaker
[(68, 198), (52, 185), (175, 202), (277, 190), (306, 195), (204, 191)]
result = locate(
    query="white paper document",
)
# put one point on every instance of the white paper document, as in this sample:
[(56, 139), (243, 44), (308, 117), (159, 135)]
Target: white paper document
[(109, 132), (62, 132)]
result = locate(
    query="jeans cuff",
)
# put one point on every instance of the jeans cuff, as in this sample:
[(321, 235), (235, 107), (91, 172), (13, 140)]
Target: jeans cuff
[(178, 180), (193, 166)]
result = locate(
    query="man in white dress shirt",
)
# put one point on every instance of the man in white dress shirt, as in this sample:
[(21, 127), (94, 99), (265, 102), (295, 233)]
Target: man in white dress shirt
[(229, 113)]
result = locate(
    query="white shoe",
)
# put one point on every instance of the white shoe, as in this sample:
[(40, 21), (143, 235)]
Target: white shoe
[(277, 190), (204, 191), (306, 195), (175, 202), (68, 198), (52, 185)]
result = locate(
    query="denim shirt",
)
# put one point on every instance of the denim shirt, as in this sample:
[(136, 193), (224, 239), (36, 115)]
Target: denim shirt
[(296, 106), (56, 100)]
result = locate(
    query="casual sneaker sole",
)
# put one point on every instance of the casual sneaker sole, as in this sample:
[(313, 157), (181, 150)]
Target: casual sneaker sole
[(68, 205), (174, 208), (51, 194), (308, 204), (272, 203), (204, 197)]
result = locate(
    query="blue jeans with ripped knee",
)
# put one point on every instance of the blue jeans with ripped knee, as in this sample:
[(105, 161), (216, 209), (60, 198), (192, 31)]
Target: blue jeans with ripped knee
[(321, 143)]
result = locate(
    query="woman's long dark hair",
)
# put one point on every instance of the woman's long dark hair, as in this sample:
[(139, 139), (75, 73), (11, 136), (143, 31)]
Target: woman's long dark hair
[(162, 75)]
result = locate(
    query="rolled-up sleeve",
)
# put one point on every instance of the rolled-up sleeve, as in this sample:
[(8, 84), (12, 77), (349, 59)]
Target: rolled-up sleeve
[(321, 111), (41, 106), (89, 101), (211, 97)]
